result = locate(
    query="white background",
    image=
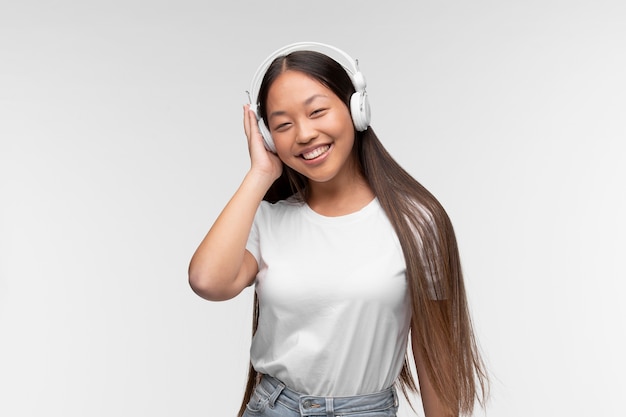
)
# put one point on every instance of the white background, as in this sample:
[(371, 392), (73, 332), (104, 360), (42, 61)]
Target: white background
[(121, 140)]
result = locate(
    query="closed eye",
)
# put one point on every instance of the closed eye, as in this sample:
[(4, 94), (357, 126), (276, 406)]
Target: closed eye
[(318, 112), (281, 127)]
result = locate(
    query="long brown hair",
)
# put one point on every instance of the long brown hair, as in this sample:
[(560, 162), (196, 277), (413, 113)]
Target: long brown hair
[(440, 325)]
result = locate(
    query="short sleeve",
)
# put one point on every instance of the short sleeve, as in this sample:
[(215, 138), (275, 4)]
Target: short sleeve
[(253, 245)]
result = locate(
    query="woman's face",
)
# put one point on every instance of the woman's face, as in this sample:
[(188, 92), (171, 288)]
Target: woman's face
[(311, 127)]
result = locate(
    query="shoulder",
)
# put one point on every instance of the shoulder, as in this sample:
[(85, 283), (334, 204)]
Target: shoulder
[(280, 208), (290, 203)]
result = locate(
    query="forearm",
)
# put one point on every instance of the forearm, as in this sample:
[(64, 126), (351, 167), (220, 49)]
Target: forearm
[(215, 270)]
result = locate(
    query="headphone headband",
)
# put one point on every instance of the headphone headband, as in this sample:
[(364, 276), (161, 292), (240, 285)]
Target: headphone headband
[(359, 105), (347, 62)]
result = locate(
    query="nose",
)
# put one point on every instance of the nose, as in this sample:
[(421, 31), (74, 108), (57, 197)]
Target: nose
[(306, 132)]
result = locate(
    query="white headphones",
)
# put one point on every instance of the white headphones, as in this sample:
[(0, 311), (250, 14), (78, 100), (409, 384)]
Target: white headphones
[(359, 103)]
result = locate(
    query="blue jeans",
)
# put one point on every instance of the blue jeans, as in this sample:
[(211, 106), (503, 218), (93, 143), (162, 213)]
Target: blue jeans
[(272, 399)]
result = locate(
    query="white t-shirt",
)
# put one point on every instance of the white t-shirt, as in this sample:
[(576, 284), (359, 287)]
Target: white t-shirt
[(334, 308)]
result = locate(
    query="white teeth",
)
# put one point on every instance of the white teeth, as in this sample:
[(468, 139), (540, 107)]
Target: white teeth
[(316, 152)]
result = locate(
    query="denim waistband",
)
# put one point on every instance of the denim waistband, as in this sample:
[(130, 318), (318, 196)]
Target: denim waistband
[(311, 405)]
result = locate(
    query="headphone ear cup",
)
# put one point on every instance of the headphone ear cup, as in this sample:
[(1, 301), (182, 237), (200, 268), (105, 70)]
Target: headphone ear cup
[(267, 137), (360, 110)]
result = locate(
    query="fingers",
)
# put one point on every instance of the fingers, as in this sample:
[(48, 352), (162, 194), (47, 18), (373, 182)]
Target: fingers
[(254, 125), (251, 127), (250, 122), (253, 135), (246, 120)]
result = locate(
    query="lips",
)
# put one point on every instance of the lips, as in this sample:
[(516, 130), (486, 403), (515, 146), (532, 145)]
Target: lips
[(315, 153)]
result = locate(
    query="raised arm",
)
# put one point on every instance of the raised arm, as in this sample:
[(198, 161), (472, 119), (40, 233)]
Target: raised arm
[(221, 267)]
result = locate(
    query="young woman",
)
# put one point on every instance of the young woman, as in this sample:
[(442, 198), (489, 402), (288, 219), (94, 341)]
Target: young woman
[(350, 256)]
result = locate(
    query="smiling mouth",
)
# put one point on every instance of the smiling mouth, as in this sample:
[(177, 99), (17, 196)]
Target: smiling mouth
[(315, 152)]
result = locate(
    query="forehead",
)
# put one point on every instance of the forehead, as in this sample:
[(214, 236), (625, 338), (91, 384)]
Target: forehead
[(292, 87)]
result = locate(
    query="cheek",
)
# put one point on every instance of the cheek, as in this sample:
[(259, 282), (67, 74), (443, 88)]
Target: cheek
[(283, 146), (343, 125), (284, 152)]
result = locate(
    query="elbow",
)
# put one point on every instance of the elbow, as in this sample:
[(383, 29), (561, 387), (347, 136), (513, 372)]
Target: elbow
[(208, 288)]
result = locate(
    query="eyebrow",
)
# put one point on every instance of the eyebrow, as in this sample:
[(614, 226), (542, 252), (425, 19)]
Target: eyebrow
[(306, 103)]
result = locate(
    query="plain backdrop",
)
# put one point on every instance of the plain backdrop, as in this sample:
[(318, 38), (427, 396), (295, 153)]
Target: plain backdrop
[(121, 139)]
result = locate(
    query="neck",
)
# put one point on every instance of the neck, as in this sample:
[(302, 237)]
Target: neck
[(337, 198)]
